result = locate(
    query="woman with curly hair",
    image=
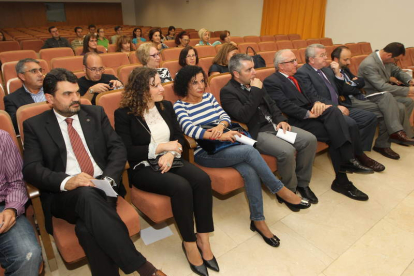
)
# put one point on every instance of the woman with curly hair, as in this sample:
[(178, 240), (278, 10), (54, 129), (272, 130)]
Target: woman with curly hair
[(221, 60), (124, 44), (148, 126)]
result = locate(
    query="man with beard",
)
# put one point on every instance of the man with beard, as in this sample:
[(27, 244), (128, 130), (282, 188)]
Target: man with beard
[(65, 148), (393, 121)]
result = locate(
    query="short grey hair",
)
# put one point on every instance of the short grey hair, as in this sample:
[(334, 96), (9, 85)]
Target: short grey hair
[(311, 51), (21, 64), (278, 59), (235, 62)]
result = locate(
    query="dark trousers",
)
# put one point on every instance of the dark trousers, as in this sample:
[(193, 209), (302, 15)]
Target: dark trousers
[(190, 191), (334, 129), (101, 232), (367, 124)]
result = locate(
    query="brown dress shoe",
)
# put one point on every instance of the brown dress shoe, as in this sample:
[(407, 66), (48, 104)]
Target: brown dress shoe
[(370, 163), (400, 137), (387, 152), (159, 273)]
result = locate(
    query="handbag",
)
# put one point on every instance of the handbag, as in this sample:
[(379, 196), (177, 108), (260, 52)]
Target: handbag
[(214, 146), (258, 60), (153, 162)]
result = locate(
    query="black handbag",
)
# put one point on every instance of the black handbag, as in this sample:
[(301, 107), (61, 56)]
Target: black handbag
[(258, 60)]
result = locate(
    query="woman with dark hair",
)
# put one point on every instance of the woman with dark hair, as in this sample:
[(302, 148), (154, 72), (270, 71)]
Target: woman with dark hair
[(197, 108), (2, 37), (171, 33), (182, 39), (188, 56), (102, 40), (90, 44), (225, 37), (221, 60), (124, 44), (155, 37), (149, 128), (137, 36), (149, 56)]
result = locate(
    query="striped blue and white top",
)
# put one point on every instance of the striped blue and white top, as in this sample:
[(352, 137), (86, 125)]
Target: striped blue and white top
[(191, 116)]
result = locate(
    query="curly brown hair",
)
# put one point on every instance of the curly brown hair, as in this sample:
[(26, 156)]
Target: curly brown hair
[(136, 95)]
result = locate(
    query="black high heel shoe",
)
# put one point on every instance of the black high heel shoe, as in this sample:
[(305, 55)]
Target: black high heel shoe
[(304, 204), (212, 264), (197, 269), (274, 241)]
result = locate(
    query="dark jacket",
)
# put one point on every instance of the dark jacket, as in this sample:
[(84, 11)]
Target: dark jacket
[(55, 43), (15, 100), (346, 89)]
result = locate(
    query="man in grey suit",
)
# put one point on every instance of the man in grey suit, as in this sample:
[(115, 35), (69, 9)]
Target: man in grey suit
[(392, 120)]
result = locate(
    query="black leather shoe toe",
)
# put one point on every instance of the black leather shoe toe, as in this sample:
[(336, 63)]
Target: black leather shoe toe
[(197, 269), (304, 204), (212, 264), (353, 166), (349, 190), (273, 241), (307, 193)]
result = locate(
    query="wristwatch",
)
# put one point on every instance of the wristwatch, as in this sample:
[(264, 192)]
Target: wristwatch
[(90, 90)]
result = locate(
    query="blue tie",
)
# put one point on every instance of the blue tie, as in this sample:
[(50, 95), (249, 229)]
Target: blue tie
[(332, 91)]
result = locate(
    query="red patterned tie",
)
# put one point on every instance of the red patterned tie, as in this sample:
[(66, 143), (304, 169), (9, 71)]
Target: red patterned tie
[(295, 82), (81, 154)]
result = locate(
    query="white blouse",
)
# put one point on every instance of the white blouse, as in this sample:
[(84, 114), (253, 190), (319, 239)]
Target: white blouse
[(160, 132)]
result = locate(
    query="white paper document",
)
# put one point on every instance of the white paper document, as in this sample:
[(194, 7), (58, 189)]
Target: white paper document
[(245, 140), (375, 94), (105, 186), (150, 235), (288, 136)]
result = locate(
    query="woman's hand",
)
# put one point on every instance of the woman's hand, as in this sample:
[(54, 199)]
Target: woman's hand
[(230, 136), (165, 162), (216, 132), (170, 146)]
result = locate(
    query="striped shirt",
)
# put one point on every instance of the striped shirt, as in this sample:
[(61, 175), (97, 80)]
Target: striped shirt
[(12, 189), (192, 116), (37, 98)]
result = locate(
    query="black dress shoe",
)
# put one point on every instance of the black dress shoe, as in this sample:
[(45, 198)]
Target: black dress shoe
[(353, 166), (212, 264), (348, 189), (197, 269), (307, 193), (387, 152), (274, 241), (304, 204)]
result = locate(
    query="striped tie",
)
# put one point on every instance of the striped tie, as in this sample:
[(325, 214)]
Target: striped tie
[(81, 154)]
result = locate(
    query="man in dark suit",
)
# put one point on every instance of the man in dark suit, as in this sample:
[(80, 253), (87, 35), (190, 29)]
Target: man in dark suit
[(31, 74), (320, 82), (67, 147), (393, 120), (324, 121)]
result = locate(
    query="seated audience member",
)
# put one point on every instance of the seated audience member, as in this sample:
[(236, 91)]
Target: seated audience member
[(92, 29), (31, 74), (118, 30), (320, 81), (55, 41), (149, 56), (381, 74), (62, 166), (102, 40), (393, 121), (90, 44), (182, 39), (78, 41), (137, 36), (95, 81), (225, 38), (246, 100), (155, 37), (221, 60), (324, 121), (149, 128), (204, 35), (124, 44), (197, 108), (171, 33), (20, 252), (188, 56), (2, 36)]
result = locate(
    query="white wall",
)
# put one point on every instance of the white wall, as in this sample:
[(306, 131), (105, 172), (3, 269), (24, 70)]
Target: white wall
[(240, 17), (378, 22), (128, 12)]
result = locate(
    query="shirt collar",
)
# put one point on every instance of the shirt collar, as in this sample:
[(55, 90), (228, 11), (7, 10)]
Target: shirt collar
[(244, 87), (61, 118), (378, 54), (27, 90), (286, 76)]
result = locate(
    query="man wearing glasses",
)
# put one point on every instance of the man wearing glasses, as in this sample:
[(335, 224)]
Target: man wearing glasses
[(95, 81), (31, 74)]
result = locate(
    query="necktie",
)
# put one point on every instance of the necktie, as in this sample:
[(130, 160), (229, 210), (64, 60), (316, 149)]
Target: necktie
[(81, 154), (332, 91), (295, 82)]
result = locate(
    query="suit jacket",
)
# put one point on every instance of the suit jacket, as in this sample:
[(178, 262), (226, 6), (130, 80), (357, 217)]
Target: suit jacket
[(377, 76), (313, 86), (55, 43), (243, 105), (136, 138), (346, 89), (45, 157), (15, 100)]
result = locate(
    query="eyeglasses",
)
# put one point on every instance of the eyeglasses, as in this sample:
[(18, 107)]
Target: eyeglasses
[(155, 55), (35, 71), (290, 61), (96, 70), (190, 56)]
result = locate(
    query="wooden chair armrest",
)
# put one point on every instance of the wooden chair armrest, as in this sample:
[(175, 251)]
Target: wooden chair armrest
[(188, 150), (125, 182), (32, 191), (191, 143)]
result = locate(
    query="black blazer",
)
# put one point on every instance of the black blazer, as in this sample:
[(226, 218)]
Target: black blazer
[(45, 151), (15, 100), (287, 97), (313, 86), (345, 89), (242, 105), (136, 138)]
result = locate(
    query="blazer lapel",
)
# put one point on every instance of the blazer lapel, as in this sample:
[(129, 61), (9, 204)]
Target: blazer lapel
[(87, 123), (55, 132), (299, 96), (381, 65)]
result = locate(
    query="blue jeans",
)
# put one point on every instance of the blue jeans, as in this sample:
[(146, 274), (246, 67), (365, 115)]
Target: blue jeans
[(20, 253), (250, 164)]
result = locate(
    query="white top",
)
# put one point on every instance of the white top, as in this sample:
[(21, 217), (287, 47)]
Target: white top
[(160, 132)]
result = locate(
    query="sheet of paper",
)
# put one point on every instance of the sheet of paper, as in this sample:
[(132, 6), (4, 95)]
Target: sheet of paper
[(150, 235), (288, 136), (245, 140), (375, 94), (105, 186)]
